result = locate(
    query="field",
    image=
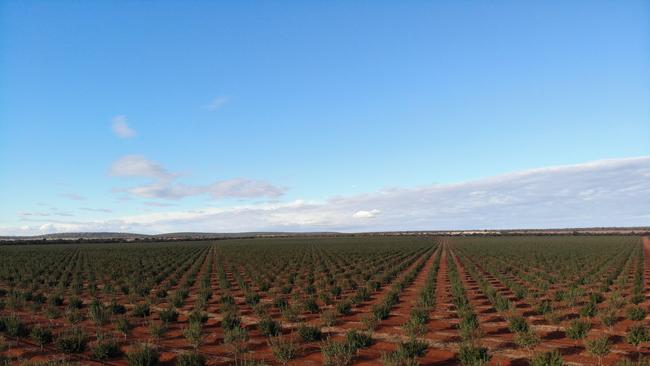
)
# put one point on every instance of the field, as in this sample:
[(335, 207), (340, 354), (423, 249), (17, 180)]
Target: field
[(334, 301)]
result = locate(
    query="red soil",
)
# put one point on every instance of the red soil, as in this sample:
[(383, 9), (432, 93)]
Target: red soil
[(442, 335)]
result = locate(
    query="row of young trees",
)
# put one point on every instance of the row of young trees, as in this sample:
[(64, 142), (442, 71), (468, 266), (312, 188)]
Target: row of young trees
[(610, 275), (162, 287)]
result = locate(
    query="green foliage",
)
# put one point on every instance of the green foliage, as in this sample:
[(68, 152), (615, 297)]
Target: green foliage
[(237, 340), (344, 308), (544, 307), (72, 340), (413, 328), (527, 339), (397, 359), (328, 318), (284, 350), (380, 311), (337, 353), (156, 330), (469, 326), (501, 304), (412, 348), (517, 324), (75, 303), (636, 313), (193, 334), (142, 355), (198, 316), (599, 347), (310, 305), (578, 329), (252, 299), (123, 325), (41, 335), (369, 322), (553, 358), (589, 310), (309, 333), (169, 315), (74, 316), (106, 349), (357, 339), (269, 327), (470, 355), (642, 361), (190, 359), (290, 314), (637, 334), (419, 315), (608, 317), (230, 321), (141, 310), (99, 314), (280, 303), (15, 327)]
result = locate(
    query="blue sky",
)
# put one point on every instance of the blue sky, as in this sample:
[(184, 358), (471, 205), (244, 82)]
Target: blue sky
[(136, 115)]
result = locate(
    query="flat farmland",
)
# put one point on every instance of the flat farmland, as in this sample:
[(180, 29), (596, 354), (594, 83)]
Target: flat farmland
[(363, 300)]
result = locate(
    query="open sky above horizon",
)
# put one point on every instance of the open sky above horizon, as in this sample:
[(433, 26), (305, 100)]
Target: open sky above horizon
[(304, 116)]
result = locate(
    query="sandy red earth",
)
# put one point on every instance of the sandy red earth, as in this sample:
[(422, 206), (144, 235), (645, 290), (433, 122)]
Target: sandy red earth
[(442, 336)]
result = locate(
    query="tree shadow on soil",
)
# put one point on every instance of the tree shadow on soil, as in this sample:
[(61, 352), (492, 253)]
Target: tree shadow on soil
[(556, 334)]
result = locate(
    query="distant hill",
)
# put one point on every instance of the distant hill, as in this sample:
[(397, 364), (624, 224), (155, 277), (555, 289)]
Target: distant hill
[(93, 236), (55, 236), (130, 237)]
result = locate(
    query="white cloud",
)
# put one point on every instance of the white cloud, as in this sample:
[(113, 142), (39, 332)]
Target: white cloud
[(231, 188), (163, 183), (366, 214), (243, 188), (217, 103), (617, 194), (121, 127), (138, 166), (53, 211), (91, 209), (73, 196), (157, 204)]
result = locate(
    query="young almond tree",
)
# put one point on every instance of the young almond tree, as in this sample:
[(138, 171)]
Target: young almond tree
[(578, 329), (284, 349), (637, 335), (472, 355), (41, 336), (156, 331), (123, 326), (193, 334), (553, 358), (237, 340), (527, 339), (599, 348)]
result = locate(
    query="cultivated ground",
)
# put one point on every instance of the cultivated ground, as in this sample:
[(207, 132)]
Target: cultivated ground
[(431, 300)]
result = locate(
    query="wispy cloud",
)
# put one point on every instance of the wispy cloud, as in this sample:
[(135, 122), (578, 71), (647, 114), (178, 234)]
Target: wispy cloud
[(231, 188), (600, 193), (121, 127), (73, 196), (91, 209), (138, 166), (157, 204), (164, 185), (51, 212), (217, 103)]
